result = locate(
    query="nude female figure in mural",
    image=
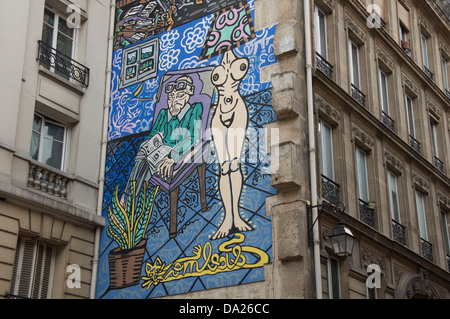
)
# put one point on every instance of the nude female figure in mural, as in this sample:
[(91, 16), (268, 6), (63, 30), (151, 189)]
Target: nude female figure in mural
[(228, 126)]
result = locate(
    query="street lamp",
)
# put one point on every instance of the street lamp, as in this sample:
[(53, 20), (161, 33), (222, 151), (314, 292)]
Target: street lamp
[(341, 237)]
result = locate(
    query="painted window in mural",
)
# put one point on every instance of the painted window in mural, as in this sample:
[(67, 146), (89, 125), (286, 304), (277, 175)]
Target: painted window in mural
[(187, 157)]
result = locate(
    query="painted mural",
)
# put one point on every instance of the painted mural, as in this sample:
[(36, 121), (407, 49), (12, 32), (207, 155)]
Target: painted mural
[(187, 170)]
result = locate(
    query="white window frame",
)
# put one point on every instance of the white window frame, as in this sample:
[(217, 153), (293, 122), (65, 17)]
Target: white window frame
[(445, 74), (411, 119), (394, 205), (27, 276), (361, 168), (331, 278), (444, 220), (55, 27), (324, 151), (355, 60), (421, 215), (434, 137), (42, 137), (425, 56), (384, 92), (321, 33)]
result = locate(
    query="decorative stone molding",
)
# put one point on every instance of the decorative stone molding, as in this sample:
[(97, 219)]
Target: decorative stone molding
[(394, 162), (424, 24), (410, 84), (443, 200), (385, 59), (363, 137), (444, 48), (328, 109), (355, 29), (369, 257), (434, 109), (420, 182)]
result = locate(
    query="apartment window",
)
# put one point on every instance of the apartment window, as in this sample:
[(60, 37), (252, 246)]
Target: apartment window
[(435, 144), (354, 64), (405, 26), (446, 235), (321, 33), (445, 76), (330, 190), (48, 141), (425, 56), (384, 98), (58, 35), (422, 219), (33, 269), (361, 170), (334, 282), (411, 124), (393, 197)]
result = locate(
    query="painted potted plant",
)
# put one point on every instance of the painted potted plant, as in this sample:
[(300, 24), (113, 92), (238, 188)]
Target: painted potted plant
[(127, 227)]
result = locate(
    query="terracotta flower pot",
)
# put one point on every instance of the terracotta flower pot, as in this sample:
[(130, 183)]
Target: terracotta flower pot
[(125, 266)]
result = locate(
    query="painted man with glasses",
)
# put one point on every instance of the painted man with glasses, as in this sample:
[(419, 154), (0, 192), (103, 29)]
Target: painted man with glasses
[(178, 128)]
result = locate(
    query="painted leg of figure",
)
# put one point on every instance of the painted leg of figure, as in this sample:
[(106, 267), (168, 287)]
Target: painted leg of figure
[(225, 193), (236, 180)]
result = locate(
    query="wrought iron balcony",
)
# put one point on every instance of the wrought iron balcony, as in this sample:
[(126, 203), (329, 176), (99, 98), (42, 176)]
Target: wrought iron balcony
[(330, 190), (447, 92), (398, 232), (439, 164), (427, 249), (428, 72), (324, 66), (415, 144), (358, 96), (367, 214), (62, 65), (388, 121)]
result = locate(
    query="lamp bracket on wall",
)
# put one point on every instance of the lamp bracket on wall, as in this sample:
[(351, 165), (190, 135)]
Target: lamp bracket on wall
[(339, 209)]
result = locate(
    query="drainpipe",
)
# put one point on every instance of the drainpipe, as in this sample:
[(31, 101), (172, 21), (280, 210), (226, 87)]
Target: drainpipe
[(312, 147), (103, 146)]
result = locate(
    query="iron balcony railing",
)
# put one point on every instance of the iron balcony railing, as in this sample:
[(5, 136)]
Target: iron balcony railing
[(388, 121), (439, 164), (427, 249), (399, 233), (358, 95), (428, 72), (324, 66), (62, 64), (415, 144), (447, 92), (366, 214), (330, 190)]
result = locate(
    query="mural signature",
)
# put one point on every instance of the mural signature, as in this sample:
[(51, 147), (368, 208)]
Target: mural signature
[(231, 256)]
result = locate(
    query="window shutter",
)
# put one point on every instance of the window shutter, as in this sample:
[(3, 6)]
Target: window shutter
[(33, 269)]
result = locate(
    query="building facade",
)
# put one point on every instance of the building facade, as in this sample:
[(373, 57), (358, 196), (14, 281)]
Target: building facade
[(218, 144), (53, 95)]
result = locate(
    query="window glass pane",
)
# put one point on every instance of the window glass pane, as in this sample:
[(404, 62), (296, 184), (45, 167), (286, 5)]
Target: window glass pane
[(445, 232), (410, 106), (53, 131), (384, 92), (323, 34), (52, 153), (326, 148), (434, 138), (361, 165), (425, 51), (47, 30), (35, 137), (445, 73), (64, 44), (64, 28), (393, 196), (355, 64), (421, 215)]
